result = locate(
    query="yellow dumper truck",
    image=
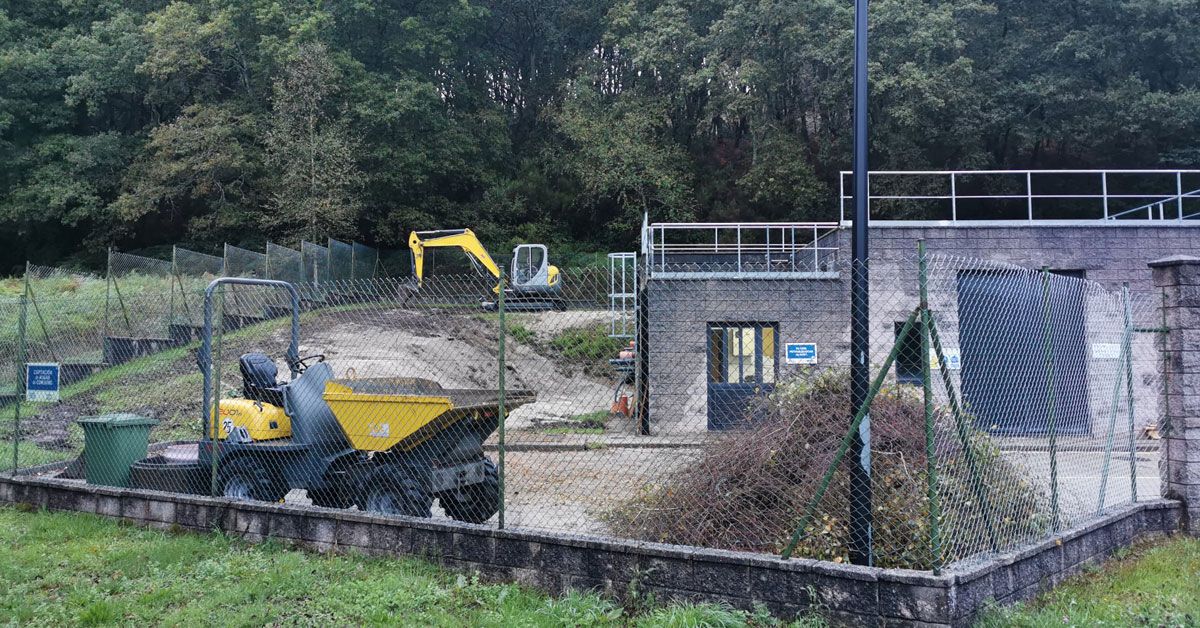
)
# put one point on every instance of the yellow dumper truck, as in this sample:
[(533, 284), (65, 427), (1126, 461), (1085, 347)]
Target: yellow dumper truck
[(388, 445)]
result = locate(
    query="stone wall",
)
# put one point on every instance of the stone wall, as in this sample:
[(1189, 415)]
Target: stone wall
[(846, 594)]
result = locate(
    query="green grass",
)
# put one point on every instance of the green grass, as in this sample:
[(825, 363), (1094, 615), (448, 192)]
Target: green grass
[(1150, 585), (75, 569), (574, 430), (587, 343), (521, 333)]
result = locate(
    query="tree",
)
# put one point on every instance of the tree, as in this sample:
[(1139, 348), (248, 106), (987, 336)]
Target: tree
[(311, 149)]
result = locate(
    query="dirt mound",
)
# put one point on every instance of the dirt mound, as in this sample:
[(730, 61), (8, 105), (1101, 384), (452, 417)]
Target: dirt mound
[(458, 350)]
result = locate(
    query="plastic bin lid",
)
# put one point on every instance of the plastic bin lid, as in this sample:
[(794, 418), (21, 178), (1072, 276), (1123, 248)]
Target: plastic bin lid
[(118, 420)]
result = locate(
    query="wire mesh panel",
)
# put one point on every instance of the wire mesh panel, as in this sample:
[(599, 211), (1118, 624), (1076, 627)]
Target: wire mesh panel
[(316, 262), (243, 263), (192, 264), (193, 272), (365, 262), (341, 261), (130, 276), (66, 315), (285, 264), (1002, 404)]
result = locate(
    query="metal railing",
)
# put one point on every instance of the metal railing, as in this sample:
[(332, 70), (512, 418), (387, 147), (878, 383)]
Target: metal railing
[(1029, 195), (736, 249)]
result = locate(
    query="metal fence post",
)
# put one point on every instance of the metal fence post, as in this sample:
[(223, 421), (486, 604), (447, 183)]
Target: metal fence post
[(22, 349), (1048, 354), (935, 549), (1133, 496), (107, 288), (212, 427), (501, 411)]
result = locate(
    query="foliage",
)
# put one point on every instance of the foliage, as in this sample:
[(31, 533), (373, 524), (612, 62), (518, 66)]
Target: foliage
[(590, 347), (749, 490), (1143, 587), (79, 569), (139, 123)]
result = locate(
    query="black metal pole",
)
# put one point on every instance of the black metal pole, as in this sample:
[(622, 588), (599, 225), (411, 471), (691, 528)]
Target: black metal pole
[(860, 365)]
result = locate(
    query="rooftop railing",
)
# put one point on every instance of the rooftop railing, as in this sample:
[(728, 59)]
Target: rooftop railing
[(1034, 196), (737, 249)]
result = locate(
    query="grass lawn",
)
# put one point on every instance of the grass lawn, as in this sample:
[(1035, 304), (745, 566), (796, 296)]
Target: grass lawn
[(75, 569), (1156, 584)]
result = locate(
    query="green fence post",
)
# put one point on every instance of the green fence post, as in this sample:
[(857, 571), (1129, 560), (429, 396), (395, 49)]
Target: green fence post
[(1133, 496), (1051, 419), (212, 428), (964, 435), (501, 405), (850, 435), (935, 548), (107, 290)]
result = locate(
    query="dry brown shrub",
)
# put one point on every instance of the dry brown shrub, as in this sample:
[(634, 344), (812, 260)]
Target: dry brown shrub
[(750, 490)]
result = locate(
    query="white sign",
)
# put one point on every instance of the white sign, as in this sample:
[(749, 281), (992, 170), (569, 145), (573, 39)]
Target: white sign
[(953, 359), (1106, 351), (41, 382), (800, 353)]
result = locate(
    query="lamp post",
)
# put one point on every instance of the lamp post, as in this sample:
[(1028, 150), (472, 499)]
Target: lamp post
[(860, 331)]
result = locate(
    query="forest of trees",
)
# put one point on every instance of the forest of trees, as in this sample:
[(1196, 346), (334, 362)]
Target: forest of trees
[(134, 123)]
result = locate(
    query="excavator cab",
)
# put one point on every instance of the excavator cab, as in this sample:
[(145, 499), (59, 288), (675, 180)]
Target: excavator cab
[(532, 271)]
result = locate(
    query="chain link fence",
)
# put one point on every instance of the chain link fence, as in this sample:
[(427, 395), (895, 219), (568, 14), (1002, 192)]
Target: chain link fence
[(1005, 403)]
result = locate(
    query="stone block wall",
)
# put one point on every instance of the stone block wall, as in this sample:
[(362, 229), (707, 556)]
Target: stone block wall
[(557, 563), (1179, 278)]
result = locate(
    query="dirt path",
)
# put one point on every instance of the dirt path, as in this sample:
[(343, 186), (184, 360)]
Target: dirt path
[(458, 350)]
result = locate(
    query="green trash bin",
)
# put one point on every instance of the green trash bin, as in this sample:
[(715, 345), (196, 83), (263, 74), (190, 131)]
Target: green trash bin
[(111, 444)]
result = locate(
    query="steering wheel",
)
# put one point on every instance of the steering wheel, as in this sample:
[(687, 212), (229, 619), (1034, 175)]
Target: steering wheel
[(302, 364)]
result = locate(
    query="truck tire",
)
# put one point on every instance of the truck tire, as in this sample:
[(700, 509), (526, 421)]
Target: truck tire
[(397, 490), (247, 478), (474, 503)]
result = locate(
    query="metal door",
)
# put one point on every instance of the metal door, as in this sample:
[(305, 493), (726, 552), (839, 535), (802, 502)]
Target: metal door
[(1002, 332), (741, 366)]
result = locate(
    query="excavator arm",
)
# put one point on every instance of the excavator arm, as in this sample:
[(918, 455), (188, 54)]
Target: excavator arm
[(463, 239)]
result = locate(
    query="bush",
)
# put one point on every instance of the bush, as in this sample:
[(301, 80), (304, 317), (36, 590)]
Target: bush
[(589, 347), (751, 488)]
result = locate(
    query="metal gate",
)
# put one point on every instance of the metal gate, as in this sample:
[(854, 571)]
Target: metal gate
[(1018, 358)]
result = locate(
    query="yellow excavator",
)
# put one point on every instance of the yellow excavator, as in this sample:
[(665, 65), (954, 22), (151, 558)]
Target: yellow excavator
[(533, 283)]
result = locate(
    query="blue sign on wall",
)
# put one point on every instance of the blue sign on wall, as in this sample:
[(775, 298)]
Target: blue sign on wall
[(800, 353), (41, 382)]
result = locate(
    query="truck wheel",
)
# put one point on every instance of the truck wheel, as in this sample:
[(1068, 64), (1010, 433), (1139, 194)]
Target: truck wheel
[(248, 478), (474, 503), (397, 490)]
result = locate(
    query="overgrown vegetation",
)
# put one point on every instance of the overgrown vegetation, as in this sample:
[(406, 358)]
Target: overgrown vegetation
[(589, 347), (145, 123), (72, 569), (1152, 584), (749, 490), (590, 423)]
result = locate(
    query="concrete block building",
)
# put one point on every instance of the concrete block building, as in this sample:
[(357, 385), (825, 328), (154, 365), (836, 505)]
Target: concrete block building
[(733, 310)]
